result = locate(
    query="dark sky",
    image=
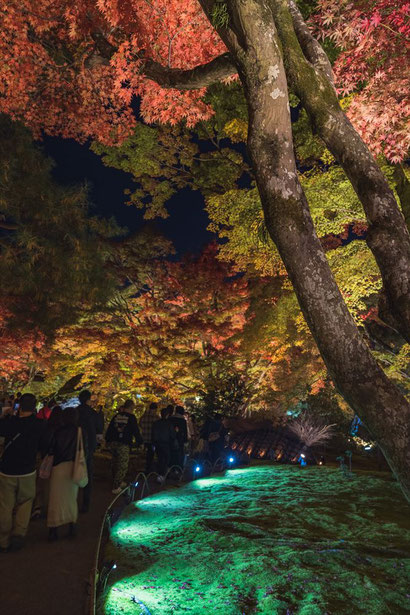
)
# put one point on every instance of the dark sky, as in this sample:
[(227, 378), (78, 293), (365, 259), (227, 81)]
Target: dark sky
[(75, 163)]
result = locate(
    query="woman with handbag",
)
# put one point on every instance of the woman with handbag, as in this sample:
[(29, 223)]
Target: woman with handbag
[(44, 470), (64, 481)]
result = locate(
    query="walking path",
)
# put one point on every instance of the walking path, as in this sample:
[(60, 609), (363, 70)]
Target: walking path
[(53, 578)]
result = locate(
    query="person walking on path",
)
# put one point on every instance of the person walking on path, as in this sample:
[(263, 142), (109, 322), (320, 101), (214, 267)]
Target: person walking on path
[(89, 423), (23, 435), (121, 433), (164, 440), (214, 432), (42, 484), (146, 422), (180, 425), (62, 505)]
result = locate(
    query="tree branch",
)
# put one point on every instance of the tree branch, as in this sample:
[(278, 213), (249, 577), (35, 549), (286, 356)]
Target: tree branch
[(311, 47), (8, 226), (199, 77)]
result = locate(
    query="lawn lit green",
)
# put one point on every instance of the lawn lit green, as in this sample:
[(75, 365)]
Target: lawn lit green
[(268, 539)]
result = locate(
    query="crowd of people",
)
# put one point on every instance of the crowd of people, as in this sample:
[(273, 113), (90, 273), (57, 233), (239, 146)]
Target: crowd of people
[(46, 467)]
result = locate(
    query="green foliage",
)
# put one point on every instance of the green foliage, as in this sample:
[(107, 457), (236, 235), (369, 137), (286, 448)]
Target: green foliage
[(164, 159), (357, 275), (52, 259), (226, 392), (237, 216), (219, 14)]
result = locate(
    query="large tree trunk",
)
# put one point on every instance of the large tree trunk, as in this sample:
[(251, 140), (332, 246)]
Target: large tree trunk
[(402, 185), (309, 74), (254, 43)]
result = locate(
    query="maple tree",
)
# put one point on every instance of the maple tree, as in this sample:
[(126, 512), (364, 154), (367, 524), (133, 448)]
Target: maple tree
[(373, 37), (85, 62), (21, 353), (160, 333)]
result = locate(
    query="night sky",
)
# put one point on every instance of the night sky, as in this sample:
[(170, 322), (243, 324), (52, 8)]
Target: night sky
[(75, 163)]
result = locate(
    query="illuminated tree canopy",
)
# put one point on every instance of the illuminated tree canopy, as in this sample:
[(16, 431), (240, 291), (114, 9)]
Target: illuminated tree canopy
[(90, 69)]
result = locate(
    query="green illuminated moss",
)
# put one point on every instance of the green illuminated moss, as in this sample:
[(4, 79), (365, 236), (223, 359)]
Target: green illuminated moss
[(266, 540)]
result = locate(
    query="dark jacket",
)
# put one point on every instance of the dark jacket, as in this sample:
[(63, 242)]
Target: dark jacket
[(123, 428), (180, 426), (163, 432), (88, 421), (64, 444), (22, 441), (212, 426), (100, 422)]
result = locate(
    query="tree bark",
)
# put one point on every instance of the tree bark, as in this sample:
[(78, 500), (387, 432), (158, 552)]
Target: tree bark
[(403, 191), (254, 43), (387, 236)]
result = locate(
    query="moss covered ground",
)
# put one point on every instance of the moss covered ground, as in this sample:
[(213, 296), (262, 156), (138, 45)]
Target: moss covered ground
[(269, 539)]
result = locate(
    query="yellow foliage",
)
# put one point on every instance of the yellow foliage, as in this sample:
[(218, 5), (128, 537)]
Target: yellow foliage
[(236, 130)]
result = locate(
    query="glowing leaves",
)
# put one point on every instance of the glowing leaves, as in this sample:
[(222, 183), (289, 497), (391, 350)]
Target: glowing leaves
[(83, 62), (374, 40)]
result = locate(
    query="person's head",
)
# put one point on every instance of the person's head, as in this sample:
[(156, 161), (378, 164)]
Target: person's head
[(84, 396), (129, 406), (18, 395), (153, 406), (70, 417), (56, 417), (28, 403), (179, 410), (165, 413), (170, 409)]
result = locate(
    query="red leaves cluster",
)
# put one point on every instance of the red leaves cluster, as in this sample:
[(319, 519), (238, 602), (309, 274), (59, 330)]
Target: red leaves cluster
[(57, 76), (374, 36), (19, 350)]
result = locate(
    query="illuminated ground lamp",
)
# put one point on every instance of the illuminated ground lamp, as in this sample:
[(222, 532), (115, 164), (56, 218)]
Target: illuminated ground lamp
[(302, 460), (321, 461), (131, 491), (105, 572), (231, 460), (197, 471)]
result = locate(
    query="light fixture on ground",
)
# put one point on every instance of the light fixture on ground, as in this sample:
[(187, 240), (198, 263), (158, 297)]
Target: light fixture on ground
[(105, 572), (131, 491)]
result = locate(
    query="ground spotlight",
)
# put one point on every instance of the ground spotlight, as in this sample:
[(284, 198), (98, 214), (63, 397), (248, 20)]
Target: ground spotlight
[(105, 572), (131, 491), (197, 469), (302, 460)]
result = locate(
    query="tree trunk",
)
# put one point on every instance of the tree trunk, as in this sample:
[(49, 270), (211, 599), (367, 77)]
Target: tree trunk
[(254, 43), (403, 191), (387, 237)]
